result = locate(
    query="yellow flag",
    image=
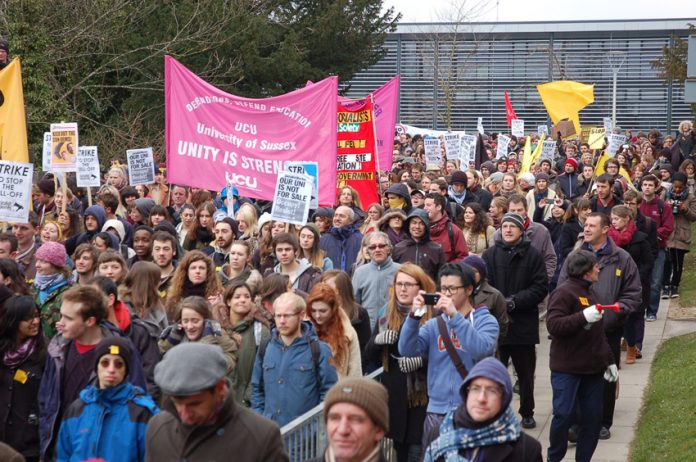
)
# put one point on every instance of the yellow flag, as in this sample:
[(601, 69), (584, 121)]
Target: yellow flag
[(13, 123), (564, 99), (599, 168), (528, 159)]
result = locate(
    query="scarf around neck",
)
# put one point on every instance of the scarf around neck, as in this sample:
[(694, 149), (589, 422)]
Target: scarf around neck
[(14, 358), (623, 238), (42, 282)]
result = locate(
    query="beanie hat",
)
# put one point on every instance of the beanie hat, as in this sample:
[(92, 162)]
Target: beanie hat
[(144, 205), (118, 346), (515, 219), (459, 177), (496, 178), (488, 165), (167, 227), (54, 253), (679, 176), (266, 218), (547, 161), (233, 224), (47, 186), (478, 264), (528, 177), (491, 369), (572, 162), (542, 176), (365, 393)]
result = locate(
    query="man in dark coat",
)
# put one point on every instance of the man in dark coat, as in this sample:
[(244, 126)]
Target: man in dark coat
[(418, 248), (342, 242), (518, 271)]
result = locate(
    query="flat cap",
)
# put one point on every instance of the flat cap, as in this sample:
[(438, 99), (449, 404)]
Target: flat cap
[(190, 368)]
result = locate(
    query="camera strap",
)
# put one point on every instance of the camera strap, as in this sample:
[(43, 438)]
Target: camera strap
[(449, 346)]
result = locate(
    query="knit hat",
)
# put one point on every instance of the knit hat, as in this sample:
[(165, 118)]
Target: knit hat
[(54, 253), (266, 218), (478, 264), (190, 368), (679, 176), (572, 162), (365, 393), (117, 226), (547, 161), (144, 205), (515, 219), (528, 177), (233, 224), (47, 186), (491, 369), (542, 176), (496, 177), (459, 177), (488, 165), (119, 346)]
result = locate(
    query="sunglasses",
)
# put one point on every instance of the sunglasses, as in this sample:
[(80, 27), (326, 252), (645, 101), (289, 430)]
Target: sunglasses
[(377, 246), (106, 362)]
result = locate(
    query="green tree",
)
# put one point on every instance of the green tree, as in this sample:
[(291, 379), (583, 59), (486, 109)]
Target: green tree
[(671, 65)]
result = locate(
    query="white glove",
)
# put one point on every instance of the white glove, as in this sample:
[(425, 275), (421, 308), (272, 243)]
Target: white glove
[(592, 314), (410, 364), (612, 373), (388, 337)]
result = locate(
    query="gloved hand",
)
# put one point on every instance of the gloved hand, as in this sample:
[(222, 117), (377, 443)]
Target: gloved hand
[(173, 334), (388, 337), (612, 373), (592, 314), (410, 364)]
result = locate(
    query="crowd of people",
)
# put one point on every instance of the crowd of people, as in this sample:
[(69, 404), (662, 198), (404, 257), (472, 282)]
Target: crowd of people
[(165, 322)]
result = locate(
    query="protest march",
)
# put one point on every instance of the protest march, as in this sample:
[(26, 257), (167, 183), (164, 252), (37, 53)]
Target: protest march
[(306, 277)]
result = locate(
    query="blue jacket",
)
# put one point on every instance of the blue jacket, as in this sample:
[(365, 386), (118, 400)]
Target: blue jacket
[(109, 424), (474, 338), (286, 385), (342, 246)]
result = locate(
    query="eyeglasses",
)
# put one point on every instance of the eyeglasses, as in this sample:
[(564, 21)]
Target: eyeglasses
[(488, 392), (630, 203), (451, 289), (377, 246), (106, 362), (406, 285), (285, 316)]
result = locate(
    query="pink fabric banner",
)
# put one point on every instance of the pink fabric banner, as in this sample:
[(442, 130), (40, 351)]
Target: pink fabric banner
[(386, 103), (212, 135)]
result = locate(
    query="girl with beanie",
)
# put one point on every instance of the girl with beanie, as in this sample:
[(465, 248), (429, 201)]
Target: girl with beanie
[(52, 279)]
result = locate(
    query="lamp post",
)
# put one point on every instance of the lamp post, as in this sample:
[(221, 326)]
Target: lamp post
[(616, 60)]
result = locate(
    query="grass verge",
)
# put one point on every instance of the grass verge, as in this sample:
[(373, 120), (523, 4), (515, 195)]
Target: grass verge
[(687, 288), (667, 427)]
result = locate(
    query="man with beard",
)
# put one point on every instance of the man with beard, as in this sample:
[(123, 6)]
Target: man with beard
[(163, 254), (225, 233)]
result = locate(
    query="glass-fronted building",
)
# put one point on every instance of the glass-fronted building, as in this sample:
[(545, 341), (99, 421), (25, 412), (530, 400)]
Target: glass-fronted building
[(453, 73)]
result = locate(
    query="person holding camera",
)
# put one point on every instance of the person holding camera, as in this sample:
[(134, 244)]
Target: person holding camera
[(452, 343), (683, 206), (540, 196)]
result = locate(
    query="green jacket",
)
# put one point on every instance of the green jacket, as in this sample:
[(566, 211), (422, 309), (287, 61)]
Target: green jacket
[(253, 332), (50, 309)]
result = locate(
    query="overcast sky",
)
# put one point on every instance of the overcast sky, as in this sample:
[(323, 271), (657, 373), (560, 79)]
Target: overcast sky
[(543, 10)]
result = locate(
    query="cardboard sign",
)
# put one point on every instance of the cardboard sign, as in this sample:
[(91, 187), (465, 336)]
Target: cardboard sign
[(467, 151), (596, 138), (452, 146), (15, 191), (46, 153), (517, 127), (615, 142), (311, 169), (543, 130), (141, 166), (608, 124), (585, 133), (503, 143), (548, 149), (88, 174), (64, 144), (293, 194), (479, 125), (566, 127), (433, 155)]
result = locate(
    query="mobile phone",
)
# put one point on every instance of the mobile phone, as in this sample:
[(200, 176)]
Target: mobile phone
[(431, 299)]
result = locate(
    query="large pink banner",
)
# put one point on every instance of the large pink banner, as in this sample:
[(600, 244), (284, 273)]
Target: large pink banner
[(386, 103), (212, 135)]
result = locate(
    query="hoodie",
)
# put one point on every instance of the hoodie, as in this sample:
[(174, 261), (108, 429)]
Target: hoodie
[(305, 276), (98, 213), (371, 285), (424, 253), (401, 190)]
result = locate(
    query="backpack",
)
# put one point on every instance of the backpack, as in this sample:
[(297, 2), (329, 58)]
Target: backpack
[(313, 346)]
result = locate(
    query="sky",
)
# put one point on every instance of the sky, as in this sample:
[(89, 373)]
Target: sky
[(542, 10)]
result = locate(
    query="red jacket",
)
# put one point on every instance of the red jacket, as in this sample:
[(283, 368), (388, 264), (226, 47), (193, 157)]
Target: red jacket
[(440, 234), (664, 220)]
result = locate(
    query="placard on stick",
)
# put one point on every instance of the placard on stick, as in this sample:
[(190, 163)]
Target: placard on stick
[(543, 130), (615, 142), (292, 197), (433, 155), (141, 166), (547, 150), (64, 144), (596, 138), (467, 151), (452, 145), (46, 153), (502, 149), (88, 167), (15, 191), (517, 127)]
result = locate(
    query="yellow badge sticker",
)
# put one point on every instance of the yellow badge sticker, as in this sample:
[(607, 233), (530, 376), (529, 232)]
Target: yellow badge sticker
[(618, 273), (584, 301), (21, 376), (163, 294), (114, 350)]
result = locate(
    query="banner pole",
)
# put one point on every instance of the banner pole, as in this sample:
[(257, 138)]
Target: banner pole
[(89, 195)]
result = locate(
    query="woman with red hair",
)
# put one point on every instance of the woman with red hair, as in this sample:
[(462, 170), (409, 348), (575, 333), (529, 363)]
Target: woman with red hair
[(334, 328)]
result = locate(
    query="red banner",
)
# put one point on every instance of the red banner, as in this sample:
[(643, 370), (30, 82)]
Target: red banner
[(509, 111), (356, 149)]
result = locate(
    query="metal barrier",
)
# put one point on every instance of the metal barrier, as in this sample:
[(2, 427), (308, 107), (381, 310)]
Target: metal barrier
[(305, 437)]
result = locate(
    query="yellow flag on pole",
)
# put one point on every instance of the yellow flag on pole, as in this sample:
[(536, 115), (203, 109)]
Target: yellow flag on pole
[(529, 158), (599, 168), (13, 123), (564, 99)]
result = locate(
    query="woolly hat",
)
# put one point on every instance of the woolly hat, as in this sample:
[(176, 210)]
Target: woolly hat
[(47, 186), (190, 368), (233, 224), (167, 227), (572, 162), (545, 160), (54, 253), (459, 177), (119, 346), (266, 218), (117, 226), (144, 205), (365, 393), (679, 176), (488, 165), (496, 177), (528, 177), (542, 176), (491, 369), (478, 264), (515, 219)]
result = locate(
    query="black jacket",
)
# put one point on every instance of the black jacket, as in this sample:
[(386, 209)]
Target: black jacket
[(570, 232), (425, 253), (641, 253)]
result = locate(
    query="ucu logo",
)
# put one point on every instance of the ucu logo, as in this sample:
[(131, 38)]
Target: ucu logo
[(455, 342)]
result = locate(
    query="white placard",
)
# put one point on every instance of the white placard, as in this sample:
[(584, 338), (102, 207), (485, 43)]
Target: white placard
[(547, 150), (15, 191), (479, 125), (433, 155), (543, 130), (293, 193), (517, 127), (467, 151), (88, 167), (310, 169), (141, 166), (502, 150), (46, 153), (452, 146), (615, 142), (608, 125)]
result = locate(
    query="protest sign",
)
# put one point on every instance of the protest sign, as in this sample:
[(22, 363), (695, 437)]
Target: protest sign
[(213, 136), (291, 199), (596, 138), (413, 130), (452, 144), (356, 160), (88, 174), (311, 169), (433, 154), (141, 166), (502, 150), (608, 124), (15, 191), (64, 144), (479, 125), (467, 151), (543, 130), (585, 133), (615, 142), (548, 149), (517, 127), (46, 153)]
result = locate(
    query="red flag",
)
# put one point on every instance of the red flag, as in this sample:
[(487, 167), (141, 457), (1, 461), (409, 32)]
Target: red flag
[(509, 111)]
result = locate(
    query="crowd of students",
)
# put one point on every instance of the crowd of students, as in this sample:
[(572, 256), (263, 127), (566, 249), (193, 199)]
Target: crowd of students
[(453, 266)]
